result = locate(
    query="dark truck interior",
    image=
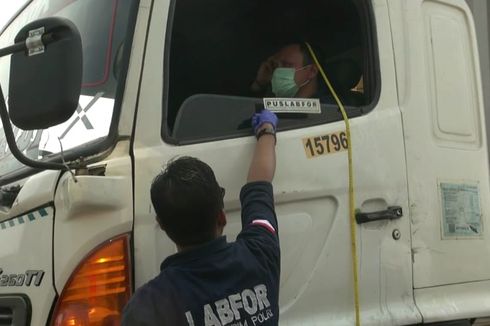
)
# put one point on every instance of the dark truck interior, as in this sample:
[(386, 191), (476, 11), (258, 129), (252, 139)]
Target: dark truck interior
[(215, 47)]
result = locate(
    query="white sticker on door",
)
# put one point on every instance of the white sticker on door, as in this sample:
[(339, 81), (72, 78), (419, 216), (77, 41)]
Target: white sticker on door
[(293, 105), (461, 211)]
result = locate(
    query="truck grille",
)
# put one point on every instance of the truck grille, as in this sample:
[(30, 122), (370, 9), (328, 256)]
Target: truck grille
[(15, 310), (6, 316)]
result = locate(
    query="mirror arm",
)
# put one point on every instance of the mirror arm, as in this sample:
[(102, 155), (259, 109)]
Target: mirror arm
[(30, 44), (17, 47), (10, 137)]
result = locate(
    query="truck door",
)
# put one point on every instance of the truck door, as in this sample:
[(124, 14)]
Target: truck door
[(195, 100)]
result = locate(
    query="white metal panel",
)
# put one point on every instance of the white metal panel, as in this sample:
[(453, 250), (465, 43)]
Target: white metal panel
[(454, 99), (431, 157), (36, 191), (458, 301), (26, 232), (91, 211), (25, 245)]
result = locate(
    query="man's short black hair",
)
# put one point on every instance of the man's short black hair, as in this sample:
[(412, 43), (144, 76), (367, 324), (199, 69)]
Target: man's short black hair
[(187, 201)]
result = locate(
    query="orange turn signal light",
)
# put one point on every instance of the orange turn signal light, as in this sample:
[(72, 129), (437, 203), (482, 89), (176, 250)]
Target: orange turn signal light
[(99, 288)]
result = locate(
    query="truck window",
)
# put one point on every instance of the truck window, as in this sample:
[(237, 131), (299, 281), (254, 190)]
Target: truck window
[(103, 25), (215, 49)]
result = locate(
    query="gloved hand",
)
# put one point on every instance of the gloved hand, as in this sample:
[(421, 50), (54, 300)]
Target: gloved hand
[(265, 116)]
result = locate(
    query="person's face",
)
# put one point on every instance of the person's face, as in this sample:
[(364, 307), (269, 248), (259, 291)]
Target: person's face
[(292, 57)]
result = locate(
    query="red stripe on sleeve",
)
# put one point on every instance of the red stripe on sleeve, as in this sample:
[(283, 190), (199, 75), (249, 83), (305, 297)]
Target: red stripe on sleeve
[(264, 223)]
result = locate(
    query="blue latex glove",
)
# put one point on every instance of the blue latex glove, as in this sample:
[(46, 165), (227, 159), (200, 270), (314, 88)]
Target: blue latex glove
[(265, 116)]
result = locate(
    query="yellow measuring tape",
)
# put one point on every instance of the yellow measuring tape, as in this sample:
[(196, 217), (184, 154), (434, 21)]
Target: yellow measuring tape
[(351, 188)]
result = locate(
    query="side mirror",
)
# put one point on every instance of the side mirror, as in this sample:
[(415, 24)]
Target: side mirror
[(45, 78), (45, 81)]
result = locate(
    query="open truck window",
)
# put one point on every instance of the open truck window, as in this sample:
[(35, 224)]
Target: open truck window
[(214, 50), (103, 25)]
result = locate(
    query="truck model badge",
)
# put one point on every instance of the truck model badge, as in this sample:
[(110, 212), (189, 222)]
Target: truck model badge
[(34, 277)]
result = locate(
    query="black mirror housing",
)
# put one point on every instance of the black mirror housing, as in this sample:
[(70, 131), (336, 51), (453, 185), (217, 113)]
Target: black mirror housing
[(45, 80)]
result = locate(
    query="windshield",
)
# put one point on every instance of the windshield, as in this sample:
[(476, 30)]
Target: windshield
[(102, 25)]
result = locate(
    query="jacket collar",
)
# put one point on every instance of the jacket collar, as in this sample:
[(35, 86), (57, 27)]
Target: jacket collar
[(196, 253)]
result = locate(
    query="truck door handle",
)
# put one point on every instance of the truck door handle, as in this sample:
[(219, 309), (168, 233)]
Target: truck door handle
[(391, 213)]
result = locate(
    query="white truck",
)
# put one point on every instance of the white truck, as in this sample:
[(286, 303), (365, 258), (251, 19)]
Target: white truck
[(163, 78)]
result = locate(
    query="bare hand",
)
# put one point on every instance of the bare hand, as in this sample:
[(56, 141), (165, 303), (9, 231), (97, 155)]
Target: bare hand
[(264, 74)]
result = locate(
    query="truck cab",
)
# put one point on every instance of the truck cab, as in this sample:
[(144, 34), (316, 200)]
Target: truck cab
[(167, 78)]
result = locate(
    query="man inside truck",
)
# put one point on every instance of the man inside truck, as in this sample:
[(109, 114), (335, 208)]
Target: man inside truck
[(290, 72), (210, 281)]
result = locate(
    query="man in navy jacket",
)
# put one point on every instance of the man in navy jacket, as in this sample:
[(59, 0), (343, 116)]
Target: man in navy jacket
[(209, 281)]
